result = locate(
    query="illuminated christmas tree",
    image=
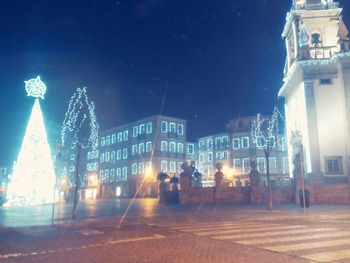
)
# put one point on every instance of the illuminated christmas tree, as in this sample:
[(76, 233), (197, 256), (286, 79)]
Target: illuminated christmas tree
[(33, 177)]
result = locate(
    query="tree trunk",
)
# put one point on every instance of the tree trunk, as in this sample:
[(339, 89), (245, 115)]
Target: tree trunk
[(268, 183), (77, 182)]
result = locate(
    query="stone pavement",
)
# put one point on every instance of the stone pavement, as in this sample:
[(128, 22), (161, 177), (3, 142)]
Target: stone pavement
[(188, 234)]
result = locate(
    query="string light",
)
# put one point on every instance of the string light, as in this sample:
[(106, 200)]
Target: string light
[(298, 66), (265, 131), (80, 109), (33, 177)]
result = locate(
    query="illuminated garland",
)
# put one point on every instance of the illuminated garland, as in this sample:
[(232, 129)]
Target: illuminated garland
[(266, 129), (79, 109), (33, 177), (300, 65)]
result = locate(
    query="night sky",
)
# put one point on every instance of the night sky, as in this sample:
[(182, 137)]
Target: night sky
[(206, 61)]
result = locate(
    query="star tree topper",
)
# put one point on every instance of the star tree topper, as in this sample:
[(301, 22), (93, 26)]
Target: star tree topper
[(35, 88)]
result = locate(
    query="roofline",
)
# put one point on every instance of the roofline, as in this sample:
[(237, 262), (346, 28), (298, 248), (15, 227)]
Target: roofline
[(140, 120)]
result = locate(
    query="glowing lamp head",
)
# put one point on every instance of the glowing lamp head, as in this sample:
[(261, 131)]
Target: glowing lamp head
[(35, 88)]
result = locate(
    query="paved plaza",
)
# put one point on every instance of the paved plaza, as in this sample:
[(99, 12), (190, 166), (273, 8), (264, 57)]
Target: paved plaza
[(145, 231)]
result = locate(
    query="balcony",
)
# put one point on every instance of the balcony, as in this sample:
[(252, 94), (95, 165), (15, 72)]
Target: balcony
[(314, 5), (322, 52)]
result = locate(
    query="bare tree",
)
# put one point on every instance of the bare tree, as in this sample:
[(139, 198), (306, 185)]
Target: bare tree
[(266, 135), (80, 127)]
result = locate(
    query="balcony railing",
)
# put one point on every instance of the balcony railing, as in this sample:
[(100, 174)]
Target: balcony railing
[(318, 52), (318, 6)]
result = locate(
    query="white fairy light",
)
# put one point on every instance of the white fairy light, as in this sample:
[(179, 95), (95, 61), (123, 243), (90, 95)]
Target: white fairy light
[(80, 109), (33, 177)]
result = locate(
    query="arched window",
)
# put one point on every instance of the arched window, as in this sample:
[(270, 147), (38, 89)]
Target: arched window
[(316, 39)]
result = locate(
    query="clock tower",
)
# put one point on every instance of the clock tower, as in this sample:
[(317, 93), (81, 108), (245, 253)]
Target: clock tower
[(316, 87)]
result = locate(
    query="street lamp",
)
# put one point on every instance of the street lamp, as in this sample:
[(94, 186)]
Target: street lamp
[(149, 173)]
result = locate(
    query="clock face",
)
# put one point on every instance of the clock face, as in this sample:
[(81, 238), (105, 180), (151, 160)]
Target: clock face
[(35, 88)]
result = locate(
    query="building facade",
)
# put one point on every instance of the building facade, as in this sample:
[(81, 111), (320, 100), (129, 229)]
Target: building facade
[(317, 88), (236, 151), (128, 158)]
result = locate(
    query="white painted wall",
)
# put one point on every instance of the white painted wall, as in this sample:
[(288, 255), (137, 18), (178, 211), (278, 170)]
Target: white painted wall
[(295, 108), (331, 121)]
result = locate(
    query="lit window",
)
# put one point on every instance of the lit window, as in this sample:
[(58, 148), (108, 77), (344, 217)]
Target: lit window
[(103, 141), (125, 174), (134, 150), (106, 175), (141, 168), (180, 129), (141, 148), (210, 156), (261, 163), (237, 166), (142, 129), (179, 169), (273, 165), (245, 142), (108, 140), (210, 144), (164, 127), (107, 157), (102, 174), (224, 142), (172, 167), (236, 143), (202, 146), (134, 168), (113, 157), (125, 154), (225, 155), (246, 165), (148, 146), (190, 148), (135, 131), (102, 158), (72, 157), (164, 166), (119, 154), (172, 147), (217, 143), (114, 138), (180, 148), (334, 165), (164, 146), (201, 158), (119, 174), (172, 127), (112, 175), (219, 155), (120, 136), (149, 127), (126, 135)]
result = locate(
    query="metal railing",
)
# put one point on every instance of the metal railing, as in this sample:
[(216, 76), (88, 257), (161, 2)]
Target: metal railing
[(322, 52), (327, 6)]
